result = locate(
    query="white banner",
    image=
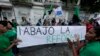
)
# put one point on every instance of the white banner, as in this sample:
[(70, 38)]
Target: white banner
[(39, 35)]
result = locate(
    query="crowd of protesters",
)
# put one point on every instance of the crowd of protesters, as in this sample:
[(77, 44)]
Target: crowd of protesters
[(90, 47), (63, 22)]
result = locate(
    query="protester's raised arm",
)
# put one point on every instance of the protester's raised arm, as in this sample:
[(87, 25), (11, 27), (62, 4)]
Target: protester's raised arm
[(75, 53), (74, 50)]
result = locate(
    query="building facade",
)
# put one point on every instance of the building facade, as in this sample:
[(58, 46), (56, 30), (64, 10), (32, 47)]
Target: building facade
[(33, 10), (6, 10)]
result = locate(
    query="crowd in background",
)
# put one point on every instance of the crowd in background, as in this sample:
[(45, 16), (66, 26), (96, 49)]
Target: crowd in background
[(8, 40), (75, 21)]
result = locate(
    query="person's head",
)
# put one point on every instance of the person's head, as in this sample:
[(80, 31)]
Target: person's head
[(3, 25), (93, 33), (53, 21), (94, 22), (85, 21), (9, 25), (39, 20), (60, 20), (13, 20), (75, 19), (4, 18), (23, 19), (45, 23)]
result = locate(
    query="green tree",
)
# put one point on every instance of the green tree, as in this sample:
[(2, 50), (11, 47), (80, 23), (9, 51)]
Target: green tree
[(91, 5)]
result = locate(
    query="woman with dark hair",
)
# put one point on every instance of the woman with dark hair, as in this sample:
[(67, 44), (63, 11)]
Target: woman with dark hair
[(92, 45), (12, 35), (11, 32), (5, 44)]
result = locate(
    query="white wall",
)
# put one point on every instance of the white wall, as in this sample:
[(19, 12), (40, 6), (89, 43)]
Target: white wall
[(5, 3), (36, 14), (21, 12), (54, 0), (38, 3), (4, 0)]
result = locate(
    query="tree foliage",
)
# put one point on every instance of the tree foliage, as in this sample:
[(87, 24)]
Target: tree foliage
[(91, 5)]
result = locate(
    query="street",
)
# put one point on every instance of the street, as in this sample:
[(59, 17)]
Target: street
[(47, 50)]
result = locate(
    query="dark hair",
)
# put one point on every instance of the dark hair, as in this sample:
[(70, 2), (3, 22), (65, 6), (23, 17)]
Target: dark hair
[(4, 23), (13, 19), (0, 9), (5, 18), (53, 20), (91, 21), (97, 31), (10, 23), (75, 19), (45, 22)]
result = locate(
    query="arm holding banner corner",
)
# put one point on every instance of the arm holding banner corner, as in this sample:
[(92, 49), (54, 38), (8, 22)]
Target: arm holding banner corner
[(14, 42)]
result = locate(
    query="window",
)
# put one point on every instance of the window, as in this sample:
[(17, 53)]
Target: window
[(6, 14), (38, 0)]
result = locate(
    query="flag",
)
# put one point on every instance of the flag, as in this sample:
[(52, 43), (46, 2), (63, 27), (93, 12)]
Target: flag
[(58, 11), (48, 9), (76, 10)]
